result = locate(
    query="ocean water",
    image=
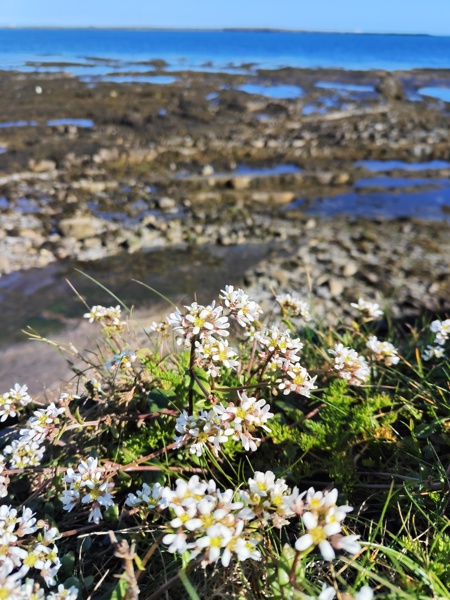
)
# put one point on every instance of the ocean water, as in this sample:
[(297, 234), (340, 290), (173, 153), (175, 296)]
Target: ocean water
[(220, 49)]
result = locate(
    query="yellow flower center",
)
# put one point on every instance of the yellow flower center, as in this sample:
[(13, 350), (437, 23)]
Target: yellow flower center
[(30, 560), (241, 413), (318, 535), (216, 542)]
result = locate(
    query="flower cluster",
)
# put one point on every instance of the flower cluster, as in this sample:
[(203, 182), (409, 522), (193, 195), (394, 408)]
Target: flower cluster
[(281, 353), (431, 352), (323, 519), (11, 402), (108, 317), (242, 420), (383, 351), (279, 349), (297, 381), (212, 354), (202, 322), (442, 331), (28, 450), (214, 427), (152, 498), (20, 551), (24, 453), (12, 588), (369, 310), (294, 307), (350, 365), (199, 432), (122, 361), (242, 308), (88, 484), (205, 521), (217, 524), (270, 499), (162, 328)]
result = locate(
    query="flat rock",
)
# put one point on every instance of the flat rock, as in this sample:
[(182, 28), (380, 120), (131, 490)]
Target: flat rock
[(81, 228)]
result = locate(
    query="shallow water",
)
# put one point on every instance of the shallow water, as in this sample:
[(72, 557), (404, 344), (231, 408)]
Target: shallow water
[(272, 91), (378, 166), (155, 79), (42, 299), (269, 49), (436, 92), (283, 169), (398, 182), (345, 87), (432, 205), (7, 124), (77, 122)]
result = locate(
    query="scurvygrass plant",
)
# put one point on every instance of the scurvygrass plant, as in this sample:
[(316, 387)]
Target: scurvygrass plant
[(233, 455)]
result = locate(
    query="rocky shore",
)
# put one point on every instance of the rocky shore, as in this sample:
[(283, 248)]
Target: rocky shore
[(96, 169)]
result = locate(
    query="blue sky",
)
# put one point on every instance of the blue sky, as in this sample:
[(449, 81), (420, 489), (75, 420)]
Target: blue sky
[(397, 16)]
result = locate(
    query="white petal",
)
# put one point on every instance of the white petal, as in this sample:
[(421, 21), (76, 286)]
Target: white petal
[(327, 550), (309, 520), (304, 542)]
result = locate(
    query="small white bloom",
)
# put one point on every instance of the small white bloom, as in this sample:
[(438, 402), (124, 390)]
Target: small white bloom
[(294, 306), (350, 365), (370, 310), (383, 351)]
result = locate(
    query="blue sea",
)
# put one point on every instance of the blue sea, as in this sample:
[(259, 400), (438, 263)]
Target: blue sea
[(218, 50)]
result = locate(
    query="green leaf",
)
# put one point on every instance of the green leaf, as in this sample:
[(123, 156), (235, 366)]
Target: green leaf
[(160, 399), (120, 591), (67, 565), (139, 563)]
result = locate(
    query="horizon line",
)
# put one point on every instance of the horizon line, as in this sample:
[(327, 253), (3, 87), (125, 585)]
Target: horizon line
[(217, 29)]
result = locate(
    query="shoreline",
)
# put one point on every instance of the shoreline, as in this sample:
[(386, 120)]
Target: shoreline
[(211, 29), (198, 163)]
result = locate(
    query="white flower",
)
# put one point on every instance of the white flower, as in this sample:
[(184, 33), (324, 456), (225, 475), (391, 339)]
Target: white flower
[(442, 331), (12, 401), (121, 361), (262, 483), (151, 497), (19, 394), (241, 421), (217, 537), (297, 381), (350, 365), (370, 310), (24, 454), (241, 306), (176, 542), (327, 593), (317, 536), (213, 353), (63, 593), (365, 593), (201, 431), (109, 317), (198, 320), (294, 306), (89, 484), (433, 352), (27, 522), (383, 351), (349, 543)]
